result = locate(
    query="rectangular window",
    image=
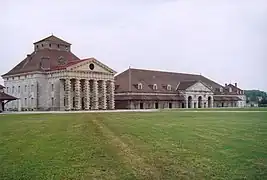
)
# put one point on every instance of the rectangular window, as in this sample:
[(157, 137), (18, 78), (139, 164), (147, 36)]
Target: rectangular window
[(25, 89), (18, 89), (7, 89), (52, 87), (25, 101), (52, 99), (32, 101), (32, 86), (13, 89)]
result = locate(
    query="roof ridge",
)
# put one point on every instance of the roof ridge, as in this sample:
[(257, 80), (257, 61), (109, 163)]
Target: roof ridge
[(162, 71), (52, 36)]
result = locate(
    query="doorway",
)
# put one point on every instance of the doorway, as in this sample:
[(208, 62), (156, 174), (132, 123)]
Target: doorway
[(141, 105), (209, 102), (156, 105), (189, 102), (199, 102), (170, 105)]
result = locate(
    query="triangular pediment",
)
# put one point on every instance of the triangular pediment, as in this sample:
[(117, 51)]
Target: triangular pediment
[(91, 65), (199, 86)]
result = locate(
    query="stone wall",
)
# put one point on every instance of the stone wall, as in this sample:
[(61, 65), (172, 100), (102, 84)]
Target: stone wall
[(25, 88)]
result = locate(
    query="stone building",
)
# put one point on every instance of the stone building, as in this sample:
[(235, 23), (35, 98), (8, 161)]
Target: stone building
[(53, 78), (147, 89)]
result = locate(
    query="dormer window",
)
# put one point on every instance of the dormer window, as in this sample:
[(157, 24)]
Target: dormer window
[(155, 87), (221, 89), (140, 86), (169, 87), (230, 89)]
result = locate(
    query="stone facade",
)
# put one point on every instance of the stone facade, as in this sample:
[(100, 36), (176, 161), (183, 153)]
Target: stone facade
[(53, 78), (147, 89), (63, 84)]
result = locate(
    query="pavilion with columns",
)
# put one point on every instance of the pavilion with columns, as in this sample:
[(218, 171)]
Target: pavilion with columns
[(53, 78)]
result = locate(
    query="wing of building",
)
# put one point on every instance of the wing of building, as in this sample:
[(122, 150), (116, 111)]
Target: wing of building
[(147, 89), (53, 78)]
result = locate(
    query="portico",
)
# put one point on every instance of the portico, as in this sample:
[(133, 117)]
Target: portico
[(85, 89)]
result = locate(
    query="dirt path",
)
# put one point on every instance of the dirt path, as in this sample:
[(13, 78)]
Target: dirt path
[(141, 169)]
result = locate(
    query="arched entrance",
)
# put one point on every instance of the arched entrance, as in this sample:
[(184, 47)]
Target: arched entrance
[(199, 102), (209, 102), (190, 102)]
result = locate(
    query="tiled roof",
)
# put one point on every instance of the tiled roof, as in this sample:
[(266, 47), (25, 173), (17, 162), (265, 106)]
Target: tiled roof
[(129, 79), (70, 63), (34, 62), (4, 96), (54, 39), (186, 84), (226, 98)]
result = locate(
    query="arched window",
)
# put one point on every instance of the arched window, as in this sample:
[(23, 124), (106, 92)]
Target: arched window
[(140, 86), (155, 87), (169, 87)]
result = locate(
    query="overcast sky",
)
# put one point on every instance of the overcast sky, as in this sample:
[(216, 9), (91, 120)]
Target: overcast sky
[(225, 40)]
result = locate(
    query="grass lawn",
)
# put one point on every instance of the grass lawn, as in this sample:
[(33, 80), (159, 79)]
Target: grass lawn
[(152, 145)]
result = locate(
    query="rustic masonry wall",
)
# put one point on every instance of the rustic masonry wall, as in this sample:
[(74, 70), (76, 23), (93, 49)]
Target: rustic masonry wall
[(25, 88), (43, 92), (45, 45)]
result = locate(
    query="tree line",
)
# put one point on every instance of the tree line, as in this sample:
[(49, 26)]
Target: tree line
[(257, 96)]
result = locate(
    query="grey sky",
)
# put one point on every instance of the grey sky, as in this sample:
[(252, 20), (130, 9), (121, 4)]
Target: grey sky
[(225, 40)]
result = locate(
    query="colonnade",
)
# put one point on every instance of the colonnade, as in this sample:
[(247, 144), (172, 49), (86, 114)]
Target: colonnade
[(85, 94)]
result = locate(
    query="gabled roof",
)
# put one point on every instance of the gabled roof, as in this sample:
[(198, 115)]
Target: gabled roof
[(54, 39), (4, 96), (234, 87), (186, 84), (127, 80), (33, 61), (93, 60)]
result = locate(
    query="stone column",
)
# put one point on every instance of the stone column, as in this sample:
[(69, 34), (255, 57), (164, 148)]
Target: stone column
[(186, 103), (111, 95), (104, 94), (95, 95), (211, 104), (77, 94), (67, 95), (86, 95)]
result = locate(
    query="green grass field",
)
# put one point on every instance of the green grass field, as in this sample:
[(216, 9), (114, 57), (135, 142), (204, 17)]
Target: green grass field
[(152, 145)]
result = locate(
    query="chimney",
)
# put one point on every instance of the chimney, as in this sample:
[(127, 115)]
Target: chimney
[(235, 84)]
